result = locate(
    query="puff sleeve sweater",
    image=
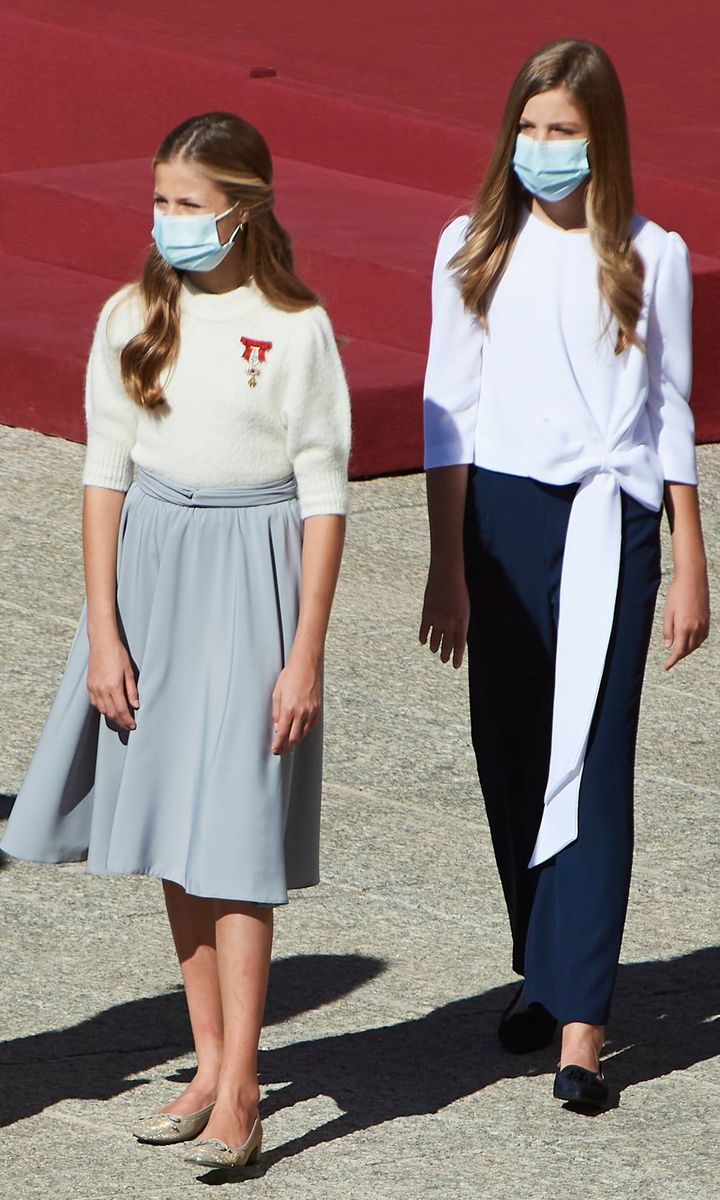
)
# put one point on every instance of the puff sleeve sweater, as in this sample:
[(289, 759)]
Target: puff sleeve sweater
[(255, 394)]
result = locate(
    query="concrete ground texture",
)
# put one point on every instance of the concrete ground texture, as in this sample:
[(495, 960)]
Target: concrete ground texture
[(380, 1069)]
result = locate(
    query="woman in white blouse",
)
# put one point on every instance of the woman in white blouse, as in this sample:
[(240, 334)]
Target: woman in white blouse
[(556, 422)]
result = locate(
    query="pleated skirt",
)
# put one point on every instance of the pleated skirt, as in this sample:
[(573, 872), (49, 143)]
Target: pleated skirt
[(208, 587)]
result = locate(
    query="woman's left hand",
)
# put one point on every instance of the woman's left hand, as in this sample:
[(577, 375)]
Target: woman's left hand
[(686, 620), (296, 703)]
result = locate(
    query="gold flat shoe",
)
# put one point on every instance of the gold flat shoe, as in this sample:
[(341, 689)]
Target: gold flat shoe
[(211, 1152), (162, 1129)]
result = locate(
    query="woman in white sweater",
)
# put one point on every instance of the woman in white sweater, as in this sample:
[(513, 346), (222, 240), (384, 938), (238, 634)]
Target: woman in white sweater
[(556, 421), (209, 585)]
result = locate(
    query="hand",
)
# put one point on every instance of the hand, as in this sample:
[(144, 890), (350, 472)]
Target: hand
[(111, 681), (296, 703), (686, 621), (446, 616)]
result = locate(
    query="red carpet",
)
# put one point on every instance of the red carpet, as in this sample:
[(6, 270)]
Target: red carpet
[(379, 118)]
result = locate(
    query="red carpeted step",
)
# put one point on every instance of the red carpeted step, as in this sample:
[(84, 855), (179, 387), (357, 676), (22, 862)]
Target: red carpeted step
[(366, 245), (379, 134)]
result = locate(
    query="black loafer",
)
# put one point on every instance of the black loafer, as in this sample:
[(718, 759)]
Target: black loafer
[(586, 1089), (531, 1029)]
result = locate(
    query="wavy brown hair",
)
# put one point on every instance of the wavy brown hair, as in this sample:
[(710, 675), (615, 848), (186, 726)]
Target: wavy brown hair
[(590, 78), (235, 156)]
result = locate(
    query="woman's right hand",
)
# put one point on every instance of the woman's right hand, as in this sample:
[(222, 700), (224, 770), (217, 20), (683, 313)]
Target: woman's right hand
[(446, 615), (111, 681)]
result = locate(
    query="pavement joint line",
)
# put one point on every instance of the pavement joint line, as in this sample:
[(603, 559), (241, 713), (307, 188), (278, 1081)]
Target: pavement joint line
[(396, 801), (665, 690), (57, 1114), (399, 902), (46, 616), (683, 785), (381, 508)]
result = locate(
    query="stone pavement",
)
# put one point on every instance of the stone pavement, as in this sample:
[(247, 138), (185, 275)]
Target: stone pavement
[(380, 1069)]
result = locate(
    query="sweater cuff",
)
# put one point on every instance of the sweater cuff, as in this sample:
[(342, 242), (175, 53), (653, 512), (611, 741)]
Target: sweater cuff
[(323, 495), (107, 465)]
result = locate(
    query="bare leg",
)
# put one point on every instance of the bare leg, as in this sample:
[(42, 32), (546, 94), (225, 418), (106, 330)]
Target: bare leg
[(243, 934), (581, 1045), (192, 920)]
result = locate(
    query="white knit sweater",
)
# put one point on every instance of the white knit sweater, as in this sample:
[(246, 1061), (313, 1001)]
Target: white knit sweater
[(217, 430)]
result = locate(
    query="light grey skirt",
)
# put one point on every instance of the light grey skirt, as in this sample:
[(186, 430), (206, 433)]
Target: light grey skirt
[(208, 596)]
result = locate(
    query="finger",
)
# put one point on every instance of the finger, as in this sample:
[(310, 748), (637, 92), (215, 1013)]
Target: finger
[(121, 714), (435, 639), (297, 731), (696, 639), (668, 629), (678, 650), (281, 731), (459, 652), (447, 645), (424, 628), (311, 721), (131, 690)]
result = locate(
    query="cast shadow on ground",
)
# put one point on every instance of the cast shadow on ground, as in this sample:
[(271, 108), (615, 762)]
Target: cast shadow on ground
[(94, 1059), (662, 1022)]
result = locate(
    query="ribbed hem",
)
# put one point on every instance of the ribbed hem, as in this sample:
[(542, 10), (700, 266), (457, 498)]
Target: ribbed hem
[(107, 465), (323, 495)]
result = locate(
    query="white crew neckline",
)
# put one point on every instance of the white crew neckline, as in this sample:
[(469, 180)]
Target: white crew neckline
[(219, 306)]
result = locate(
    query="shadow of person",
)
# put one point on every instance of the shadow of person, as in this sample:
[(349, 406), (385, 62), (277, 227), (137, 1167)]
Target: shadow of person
[(94, 1059), (665, 1019)]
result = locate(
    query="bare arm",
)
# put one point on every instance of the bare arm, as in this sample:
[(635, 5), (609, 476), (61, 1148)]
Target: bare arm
[(687, 607), (111, 679), (297, 696), (446, 610)]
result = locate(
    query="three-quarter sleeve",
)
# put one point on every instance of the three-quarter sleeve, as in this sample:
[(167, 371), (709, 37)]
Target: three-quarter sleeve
[(669, 351), (110, 414), (316, 412), (452, 377)]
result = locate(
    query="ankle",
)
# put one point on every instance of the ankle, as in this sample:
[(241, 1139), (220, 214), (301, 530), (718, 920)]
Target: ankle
[(582, 1044), (240, 1099)]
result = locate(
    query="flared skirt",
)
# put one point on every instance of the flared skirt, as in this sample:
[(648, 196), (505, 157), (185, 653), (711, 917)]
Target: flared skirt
[(208, 586)]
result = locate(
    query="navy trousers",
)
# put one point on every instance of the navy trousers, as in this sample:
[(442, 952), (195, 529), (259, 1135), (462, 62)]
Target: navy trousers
[(567, 915)]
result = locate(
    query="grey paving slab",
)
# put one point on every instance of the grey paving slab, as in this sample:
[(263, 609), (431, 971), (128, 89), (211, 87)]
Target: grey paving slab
[(380, 1069)]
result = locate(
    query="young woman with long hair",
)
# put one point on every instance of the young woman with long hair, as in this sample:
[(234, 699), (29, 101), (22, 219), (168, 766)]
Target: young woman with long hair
[(556, 420), (185, 740)]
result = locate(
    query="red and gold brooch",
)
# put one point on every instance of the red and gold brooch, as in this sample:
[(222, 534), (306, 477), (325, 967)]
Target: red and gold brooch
[(254, 356)]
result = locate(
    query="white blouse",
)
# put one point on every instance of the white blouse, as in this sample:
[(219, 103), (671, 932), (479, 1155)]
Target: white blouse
[(542, 394)]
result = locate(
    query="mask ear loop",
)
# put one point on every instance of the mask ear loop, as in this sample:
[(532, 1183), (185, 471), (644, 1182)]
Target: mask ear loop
[(238, 228)]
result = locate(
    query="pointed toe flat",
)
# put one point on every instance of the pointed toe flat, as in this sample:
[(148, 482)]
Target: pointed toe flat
[(211, 1152), (162, 1129), (576, 1085)]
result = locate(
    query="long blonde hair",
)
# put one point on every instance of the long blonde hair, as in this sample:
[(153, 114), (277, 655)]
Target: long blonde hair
[(235, 156), (590, 78)]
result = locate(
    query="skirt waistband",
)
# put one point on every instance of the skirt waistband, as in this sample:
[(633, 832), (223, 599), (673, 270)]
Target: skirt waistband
[(240, 497)]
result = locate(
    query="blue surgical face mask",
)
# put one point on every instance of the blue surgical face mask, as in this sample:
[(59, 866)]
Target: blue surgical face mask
[(551, 170), (191, 242)]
